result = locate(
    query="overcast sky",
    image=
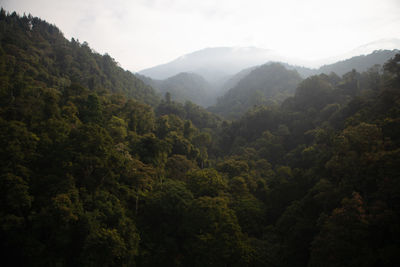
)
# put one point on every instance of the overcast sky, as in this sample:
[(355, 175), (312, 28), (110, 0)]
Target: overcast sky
[(144, 33)]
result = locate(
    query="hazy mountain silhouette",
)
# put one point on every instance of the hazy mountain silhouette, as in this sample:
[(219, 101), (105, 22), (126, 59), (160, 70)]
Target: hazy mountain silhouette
[(265, 85), (220, 64), (359, 63), (234, 80), (214, 64), (365, 49), (182, 87), (271, 83)]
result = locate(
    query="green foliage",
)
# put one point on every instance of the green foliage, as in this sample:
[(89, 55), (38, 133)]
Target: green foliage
[(164, 225), (314, 92), (37, 53), (218, 239), (343, 240), (233, 167), (206, 182), (392, 66), (177, 166)]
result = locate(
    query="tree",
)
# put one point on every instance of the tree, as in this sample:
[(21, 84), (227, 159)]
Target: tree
[(168, 97), (344, 238), (313, 92), (233, 167), (393, 67), (117, 128), (177, 166), (164, 219), (216, 238), (206, 182)]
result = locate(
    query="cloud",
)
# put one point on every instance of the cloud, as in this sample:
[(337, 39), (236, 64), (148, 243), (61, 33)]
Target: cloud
[(142, 33)]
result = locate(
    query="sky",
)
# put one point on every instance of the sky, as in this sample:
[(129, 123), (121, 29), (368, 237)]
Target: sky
[(143, 33)]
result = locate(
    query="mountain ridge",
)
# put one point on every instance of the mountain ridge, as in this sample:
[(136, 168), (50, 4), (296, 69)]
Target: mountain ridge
[(213, 63), (216, 64), (206, 93), (268, 84)]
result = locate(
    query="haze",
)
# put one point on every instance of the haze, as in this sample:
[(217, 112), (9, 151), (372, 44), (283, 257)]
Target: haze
[(143, 33)]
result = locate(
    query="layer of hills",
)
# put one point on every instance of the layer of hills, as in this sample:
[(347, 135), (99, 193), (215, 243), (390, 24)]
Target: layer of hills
[(265, 84), (268, 84), (214, 64), (218, 64), (97, 170), (184, 87), (234, 94)]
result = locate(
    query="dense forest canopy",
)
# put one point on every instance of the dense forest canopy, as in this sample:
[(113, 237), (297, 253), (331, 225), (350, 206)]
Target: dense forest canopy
[(35, 49), (96, 170)]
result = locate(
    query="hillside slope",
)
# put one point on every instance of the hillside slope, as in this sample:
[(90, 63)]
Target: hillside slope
[(35, 51), (266, 85), (359, 63), (183, 87)]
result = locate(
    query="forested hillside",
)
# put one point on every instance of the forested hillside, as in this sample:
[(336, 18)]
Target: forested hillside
[(97, 171), (265, 85), (36, 53), (360, 63), (184, 87)]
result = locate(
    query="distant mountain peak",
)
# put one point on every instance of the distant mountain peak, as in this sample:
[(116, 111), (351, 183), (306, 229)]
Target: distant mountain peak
[(217, 64), (214, 63)]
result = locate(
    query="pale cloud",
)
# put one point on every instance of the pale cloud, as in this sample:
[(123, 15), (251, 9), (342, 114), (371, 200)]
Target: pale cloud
[(143, 33)]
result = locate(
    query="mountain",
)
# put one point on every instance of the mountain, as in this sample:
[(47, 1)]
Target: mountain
[(264, 85), (27, 42), (359, 63), (224, 67), (252, 86), (191, 86), (218, 64), (234, 80), (183, 87), (368, 48), (214, 64)]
